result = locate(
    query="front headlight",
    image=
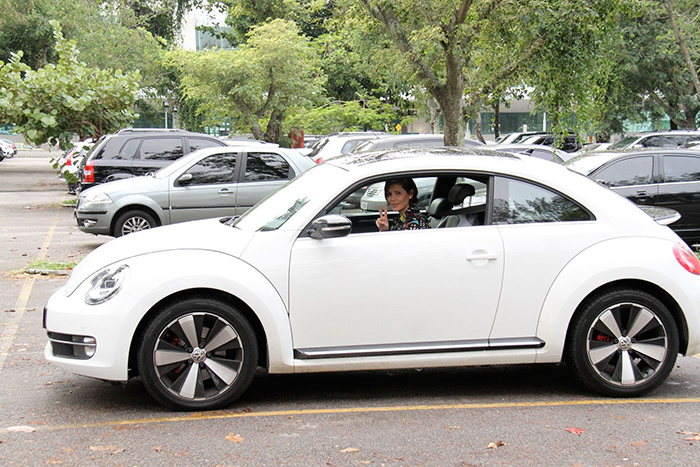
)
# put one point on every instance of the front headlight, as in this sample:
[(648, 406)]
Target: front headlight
[(106, 283), (90, 201)]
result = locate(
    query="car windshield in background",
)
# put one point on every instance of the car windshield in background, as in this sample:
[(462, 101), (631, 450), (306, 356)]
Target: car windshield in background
[(624, 142), (278, 207), (588, 163)]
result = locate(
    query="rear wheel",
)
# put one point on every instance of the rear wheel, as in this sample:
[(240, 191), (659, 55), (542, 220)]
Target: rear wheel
[(623, 343), (198, 354), (133, 221)]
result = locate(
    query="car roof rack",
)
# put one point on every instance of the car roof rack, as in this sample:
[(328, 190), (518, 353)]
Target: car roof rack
[(151, 130)]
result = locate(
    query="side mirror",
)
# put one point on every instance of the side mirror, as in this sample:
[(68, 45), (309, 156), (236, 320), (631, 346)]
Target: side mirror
[(330, 226), (184, 179)]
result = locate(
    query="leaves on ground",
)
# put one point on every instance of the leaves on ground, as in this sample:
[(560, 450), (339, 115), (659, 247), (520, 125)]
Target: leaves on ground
[(350, 450), (234, 438), (495, 445), (110, 449), (576, 431), (692, 435), (21, 429)]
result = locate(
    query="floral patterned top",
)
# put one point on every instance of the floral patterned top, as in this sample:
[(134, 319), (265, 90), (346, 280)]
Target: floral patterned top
[(412, 219)]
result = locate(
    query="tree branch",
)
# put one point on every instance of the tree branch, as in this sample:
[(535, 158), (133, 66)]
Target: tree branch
[(681, 43), (388, 19)]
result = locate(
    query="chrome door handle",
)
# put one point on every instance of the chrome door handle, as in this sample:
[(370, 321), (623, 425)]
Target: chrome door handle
[(225, 191)]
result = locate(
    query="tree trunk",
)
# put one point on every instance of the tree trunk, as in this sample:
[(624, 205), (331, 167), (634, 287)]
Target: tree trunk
[(684, 50), (477, 129), (496, 119), (274, 127)]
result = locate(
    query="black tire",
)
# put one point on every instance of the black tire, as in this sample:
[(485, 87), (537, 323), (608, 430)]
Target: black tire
[(188, 375), (132, 221), (623, 343)]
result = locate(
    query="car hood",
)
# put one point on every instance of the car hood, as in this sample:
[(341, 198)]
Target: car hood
[(207, 234), (129, 185)]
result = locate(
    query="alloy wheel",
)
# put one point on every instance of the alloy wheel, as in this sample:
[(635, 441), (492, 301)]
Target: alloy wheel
[(627, 344), (198, 356)]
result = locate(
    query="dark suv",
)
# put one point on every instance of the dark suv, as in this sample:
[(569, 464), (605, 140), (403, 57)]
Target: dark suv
[(132, 152)]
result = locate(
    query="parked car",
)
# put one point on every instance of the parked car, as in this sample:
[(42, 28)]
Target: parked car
[(657, 139), (373, 198), (655, 177), (340, 143), (409, 141), (134, 151), (195, 308), (539, 151), (69, 163), (7, 148), (212, 182), (571, 142), (517, 137)]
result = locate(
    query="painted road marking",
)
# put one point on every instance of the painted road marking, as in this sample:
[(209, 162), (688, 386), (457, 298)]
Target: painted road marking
[(218, 415), (10, 332)]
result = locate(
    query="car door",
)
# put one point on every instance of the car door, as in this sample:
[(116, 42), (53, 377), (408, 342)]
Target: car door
[(632, 177), (262, 173), (381, 293), (680, 190), (205, 189)]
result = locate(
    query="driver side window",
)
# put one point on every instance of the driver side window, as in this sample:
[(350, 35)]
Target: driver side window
[(363, 203)]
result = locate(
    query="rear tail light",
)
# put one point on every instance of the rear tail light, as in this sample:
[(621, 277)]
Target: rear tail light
[(68, 160), (89, 173), (686, 258), (319, 160)]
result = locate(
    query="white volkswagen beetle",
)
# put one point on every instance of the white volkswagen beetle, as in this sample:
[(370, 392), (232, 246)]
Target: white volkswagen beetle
[(540, 265)]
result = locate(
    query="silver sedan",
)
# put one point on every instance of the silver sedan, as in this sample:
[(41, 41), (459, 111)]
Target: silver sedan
[(213, 182)]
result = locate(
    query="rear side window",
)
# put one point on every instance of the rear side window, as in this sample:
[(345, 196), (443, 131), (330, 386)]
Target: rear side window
[(632, 171), (518, 202), (199, 143), (162, 149), (128, 149), (681, 169), (262, 166), (218, 168)]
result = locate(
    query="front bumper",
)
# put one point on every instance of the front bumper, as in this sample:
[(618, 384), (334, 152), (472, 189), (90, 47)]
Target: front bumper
[(105, 331), (94, 222)]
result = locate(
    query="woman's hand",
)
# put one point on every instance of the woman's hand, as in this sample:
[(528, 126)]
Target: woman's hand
[(383, 221)]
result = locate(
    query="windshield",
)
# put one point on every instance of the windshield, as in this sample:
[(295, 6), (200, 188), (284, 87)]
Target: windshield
[(278, 207), (587, 163), (624, 142)]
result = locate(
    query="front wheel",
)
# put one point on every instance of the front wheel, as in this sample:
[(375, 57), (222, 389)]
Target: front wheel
[(623, 343), (198, 354), (133, 221)]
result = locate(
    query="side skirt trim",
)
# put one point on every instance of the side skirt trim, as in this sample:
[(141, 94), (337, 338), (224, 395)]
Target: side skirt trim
[(383, 350)]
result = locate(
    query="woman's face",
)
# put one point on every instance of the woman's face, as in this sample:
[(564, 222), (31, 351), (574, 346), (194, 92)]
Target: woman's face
[(397, 197)]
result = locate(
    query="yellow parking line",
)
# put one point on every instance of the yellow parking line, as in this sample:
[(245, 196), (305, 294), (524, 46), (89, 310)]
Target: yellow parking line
[(10, 332), (217, 415)]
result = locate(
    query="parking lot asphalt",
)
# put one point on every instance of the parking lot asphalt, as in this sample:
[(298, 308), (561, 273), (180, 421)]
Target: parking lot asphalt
[(525, 415)]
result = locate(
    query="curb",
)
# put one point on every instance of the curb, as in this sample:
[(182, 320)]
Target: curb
[(48, 272)]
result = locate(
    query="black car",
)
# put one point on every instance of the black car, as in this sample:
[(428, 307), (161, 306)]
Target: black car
[(656, 177), (571, 143), (132, 152)]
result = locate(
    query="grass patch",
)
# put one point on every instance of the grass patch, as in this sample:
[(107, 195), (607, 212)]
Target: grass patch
[(52, 265), (69, 202)]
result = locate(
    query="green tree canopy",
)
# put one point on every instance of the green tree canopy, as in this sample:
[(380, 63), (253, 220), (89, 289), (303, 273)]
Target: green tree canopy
[(258, 83), (58, 100)]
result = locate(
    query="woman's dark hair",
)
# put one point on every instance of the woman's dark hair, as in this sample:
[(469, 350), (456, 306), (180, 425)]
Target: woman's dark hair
[(407, 184)]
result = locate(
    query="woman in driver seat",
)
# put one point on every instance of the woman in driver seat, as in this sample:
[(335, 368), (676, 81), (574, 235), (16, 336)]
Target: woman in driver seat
[(402, 194)]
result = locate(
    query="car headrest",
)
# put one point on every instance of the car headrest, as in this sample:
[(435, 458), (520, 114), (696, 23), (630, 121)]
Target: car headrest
[(439, 205), (459, 192)]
